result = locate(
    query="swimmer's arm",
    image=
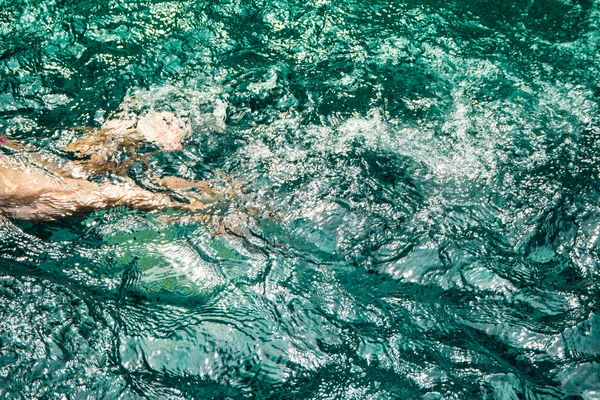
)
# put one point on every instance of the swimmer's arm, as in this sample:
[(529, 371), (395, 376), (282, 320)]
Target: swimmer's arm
[(50, 199)]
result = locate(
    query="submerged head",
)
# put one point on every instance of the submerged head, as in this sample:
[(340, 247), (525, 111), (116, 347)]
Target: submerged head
[(163, 129)]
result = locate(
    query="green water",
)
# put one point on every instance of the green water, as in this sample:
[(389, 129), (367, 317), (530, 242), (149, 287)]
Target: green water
[(428, 180)]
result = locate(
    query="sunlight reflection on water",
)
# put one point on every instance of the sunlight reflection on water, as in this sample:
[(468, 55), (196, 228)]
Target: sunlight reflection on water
[(421, 211)]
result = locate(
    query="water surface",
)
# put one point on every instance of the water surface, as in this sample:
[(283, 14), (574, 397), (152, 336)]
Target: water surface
[(426, 180)]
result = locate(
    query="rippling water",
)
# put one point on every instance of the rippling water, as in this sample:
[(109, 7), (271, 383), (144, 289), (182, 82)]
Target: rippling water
[(426, 179)]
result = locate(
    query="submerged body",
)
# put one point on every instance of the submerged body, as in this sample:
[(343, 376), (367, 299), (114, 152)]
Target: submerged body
[(34, 194), (33, 188)]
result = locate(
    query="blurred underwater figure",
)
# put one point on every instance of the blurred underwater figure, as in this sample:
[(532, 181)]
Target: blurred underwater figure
[(36, 186)]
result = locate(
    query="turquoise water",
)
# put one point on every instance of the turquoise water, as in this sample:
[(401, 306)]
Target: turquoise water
[(426, 179)]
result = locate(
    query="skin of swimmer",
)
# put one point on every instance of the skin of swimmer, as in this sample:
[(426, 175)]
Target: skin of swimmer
[(101, 148), (30, 189), (34, 194), (161, 128)]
